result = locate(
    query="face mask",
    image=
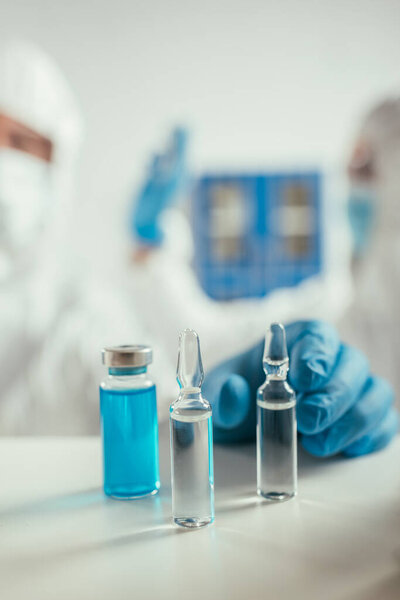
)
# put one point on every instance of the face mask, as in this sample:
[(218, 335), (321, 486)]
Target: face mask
[(24, 199), (361, 210)]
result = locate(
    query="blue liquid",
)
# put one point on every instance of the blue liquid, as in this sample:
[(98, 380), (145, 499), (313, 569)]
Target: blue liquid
[(130, 442)]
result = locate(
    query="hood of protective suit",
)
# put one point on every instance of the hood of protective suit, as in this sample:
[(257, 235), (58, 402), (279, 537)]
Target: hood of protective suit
[(35, 195), (381, 131), (373, 323)]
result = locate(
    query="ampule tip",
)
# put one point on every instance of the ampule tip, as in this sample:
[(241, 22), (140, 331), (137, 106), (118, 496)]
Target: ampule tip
[(187, 332), (189, 372), (275, 344)]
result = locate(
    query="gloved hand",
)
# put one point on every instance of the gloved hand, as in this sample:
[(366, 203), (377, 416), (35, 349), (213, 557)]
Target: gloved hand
[(167, 175), (341, 406)]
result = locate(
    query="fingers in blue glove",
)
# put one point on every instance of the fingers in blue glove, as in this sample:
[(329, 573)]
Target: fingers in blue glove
[(362, 419), (319, 410), (234, 412), (313, 351), (231, 389), (377, 439), (234, 402)]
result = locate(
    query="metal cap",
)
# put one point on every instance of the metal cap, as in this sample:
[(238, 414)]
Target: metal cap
[(127, 356)]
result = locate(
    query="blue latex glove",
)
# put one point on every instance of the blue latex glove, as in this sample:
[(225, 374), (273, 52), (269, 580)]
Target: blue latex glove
[(167, 175), (341, 406)]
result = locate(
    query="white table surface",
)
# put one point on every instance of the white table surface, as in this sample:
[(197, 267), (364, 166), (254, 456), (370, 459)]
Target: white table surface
[(61, 538)]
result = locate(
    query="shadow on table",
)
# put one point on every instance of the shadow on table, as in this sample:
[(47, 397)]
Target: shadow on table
[(151, 533), (235, 465), (34, 561), (82, 500), (240, 502), (65, 502)]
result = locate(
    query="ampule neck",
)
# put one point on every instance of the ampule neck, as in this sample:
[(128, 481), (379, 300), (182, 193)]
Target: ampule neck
[(276, 370), (189, 393)]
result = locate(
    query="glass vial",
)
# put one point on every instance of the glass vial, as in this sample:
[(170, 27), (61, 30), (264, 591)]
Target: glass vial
[(192, 471), (129, 429), (276, 422)]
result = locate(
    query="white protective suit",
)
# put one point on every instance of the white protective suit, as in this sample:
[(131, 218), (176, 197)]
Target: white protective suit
[(230, 327), (373, 321), (53, 324)]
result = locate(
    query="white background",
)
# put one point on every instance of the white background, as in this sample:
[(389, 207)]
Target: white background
[(256, 81)]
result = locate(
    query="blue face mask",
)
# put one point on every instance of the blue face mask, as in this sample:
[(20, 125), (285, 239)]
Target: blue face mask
[(361, 212)]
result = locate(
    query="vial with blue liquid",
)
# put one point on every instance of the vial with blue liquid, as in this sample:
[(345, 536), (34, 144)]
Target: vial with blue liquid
[(192, 470), (129, 429)]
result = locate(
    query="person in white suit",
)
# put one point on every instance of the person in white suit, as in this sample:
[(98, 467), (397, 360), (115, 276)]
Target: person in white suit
[(53, 322)]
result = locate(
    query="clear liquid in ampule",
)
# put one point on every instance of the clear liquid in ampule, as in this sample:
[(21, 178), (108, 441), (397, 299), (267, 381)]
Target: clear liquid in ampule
[(192, 472), (277, 450), (276, 423), (192, 476)]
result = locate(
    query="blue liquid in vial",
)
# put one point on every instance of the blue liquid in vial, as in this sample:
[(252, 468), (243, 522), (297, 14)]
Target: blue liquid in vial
[(130, 442)]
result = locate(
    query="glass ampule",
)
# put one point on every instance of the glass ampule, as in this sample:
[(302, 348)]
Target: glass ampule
[(276, 422), (129, 428), (192, 470)]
